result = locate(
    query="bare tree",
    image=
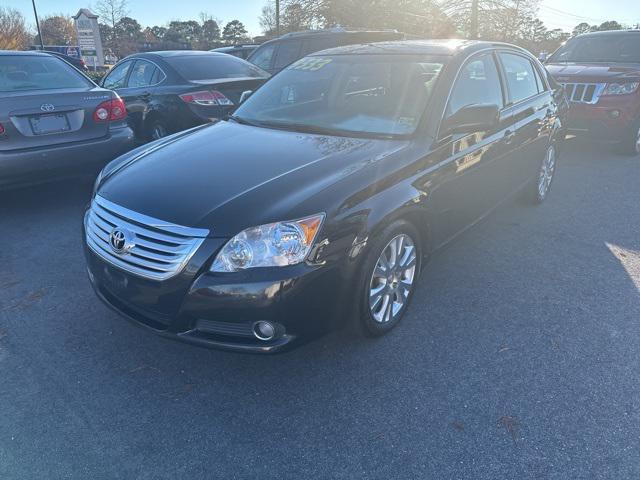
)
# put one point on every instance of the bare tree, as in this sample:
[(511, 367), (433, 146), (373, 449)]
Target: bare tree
[(110, 13), (13, 30)]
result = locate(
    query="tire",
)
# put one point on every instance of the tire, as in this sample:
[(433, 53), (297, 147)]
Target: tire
[(385, 292), (541, 185), (157, 129), (630, 146)]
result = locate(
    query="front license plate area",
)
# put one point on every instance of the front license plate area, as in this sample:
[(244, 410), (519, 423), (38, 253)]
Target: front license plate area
[(47, 124)]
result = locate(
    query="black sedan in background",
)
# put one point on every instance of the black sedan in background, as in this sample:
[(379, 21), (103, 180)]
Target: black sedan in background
[(166, 92), (54, 121), (323, 195), (79, 63)]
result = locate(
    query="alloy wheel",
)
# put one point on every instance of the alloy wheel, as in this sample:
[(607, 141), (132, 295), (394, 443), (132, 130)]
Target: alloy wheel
[(546, 172), (158, 131), (392, 279)]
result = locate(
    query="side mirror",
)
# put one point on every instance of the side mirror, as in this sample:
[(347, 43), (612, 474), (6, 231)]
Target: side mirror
[(543, 57), (246, 94), (472, 118)]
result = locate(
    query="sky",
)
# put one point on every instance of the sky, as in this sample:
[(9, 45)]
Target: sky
[(563, 14)]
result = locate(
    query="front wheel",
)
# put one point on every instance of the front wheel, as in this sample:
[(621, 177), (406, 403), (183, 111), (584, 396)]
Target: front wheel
[(631, 144), (157, 129), (390, 274)]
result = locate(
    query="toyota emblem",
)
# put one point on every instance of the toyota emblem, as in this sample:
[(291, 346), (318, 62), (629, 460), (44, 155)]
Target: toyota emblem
[(47, 107), (120, 240)]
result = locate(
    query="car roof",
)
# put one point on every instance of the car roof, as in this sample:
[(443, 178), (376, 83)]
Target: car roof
[(417, 47), (331, 32), (177, 53), (609, 33), (23, 53)]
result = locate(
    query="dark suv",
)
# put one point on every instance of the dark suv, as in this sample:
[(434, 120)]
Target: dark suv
[(601, 75), (276, 54)]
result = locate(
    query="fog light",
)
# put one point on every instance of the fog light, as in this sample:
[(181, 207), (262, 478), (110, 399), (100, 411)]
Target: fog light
[(614, 113), (264, 330)]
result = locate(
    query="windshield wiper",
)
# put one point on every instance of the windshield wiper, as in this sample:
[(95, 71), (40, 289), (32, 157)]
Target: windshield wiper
[(314, 129), (241, 120)]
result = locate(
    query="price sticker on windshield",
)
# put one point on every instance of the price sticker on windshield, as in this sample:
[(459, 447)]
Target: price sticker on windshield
[(310, 64)]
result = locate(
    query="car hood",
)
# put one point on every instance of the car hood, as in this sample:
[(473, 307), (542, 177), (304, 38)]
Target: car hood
[(227, 177), (593, 72)]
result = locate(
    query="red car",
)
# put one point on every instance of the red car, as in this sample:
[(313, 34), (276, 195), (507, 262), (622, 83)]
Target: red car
[(601, 75)]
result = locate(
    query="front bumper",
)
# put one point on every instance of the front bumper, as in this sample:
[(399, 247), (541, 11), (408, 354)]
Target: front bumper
[(608, 120), (34, 165), (218, 310)]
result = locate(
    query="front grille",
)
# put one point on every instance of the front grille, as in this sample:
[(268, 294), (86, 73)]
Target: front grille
[(583, 92), (152, 248)]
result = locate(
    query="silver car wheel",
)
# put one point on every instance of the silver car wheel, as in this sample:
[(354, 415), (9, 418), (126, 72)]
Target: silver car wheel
[(392, 279), (638, 141), (546, 172), (158, 131)]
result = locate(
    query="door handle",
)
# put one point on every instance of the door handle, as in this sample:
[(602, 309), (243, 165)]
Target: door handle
[(144, 96), (509, 135)]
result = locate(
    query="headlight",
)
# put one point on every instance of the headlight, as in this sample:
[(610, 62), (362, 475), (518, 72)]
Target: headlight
[(620, 88), (272, 245)]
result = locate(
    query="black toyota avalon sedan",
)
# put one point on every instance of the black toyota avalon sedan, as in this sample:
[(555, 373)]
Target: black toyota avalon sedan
[(320, 200)]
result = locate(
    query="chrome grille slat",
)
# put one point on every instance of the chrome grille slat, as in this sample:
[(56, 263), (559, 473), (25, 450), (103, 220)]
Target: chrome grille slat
[(158, 250), (588, 93)]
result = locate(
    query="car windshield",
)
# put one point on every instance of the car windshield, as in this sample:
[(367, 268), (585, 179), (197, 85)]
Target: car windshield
[(214, 66), (38, 72), (346, 94), (600, 48)]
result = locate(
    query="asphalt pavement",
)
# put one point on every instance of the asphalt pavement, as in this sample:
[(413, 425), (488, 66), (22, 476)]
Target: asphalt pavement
[(519, 358)]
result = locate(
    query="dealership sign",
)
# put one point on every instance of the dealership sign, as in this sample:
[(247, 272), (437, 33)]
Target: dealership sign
[(89, 39)]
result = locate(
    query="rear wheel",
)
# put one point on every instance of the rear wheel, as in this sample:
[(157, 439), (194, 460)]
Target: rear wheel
[(389, 277), (631, 144), (157, 129), (540, 188)]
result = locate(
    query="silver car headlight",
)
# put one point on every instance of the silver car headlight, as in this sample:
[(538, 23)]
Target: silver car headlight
[(621, 88), (271, 245)]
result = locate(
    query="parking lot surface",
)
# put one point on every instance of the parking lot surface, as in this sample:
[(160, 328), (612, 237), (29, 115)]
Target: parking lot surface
[(520, 358)]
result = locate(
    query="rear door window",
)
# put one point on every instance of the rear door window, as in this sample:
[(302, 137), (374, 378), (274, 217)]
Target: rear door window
[(142, 74), (288, 52), (263, 56), (117, 78), (521, 77), (312, 45)]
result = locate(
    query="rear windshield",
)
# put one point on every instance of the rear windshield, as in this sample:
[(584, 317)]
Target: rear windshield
[(27, 72), (600, 48), (212, 67)]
